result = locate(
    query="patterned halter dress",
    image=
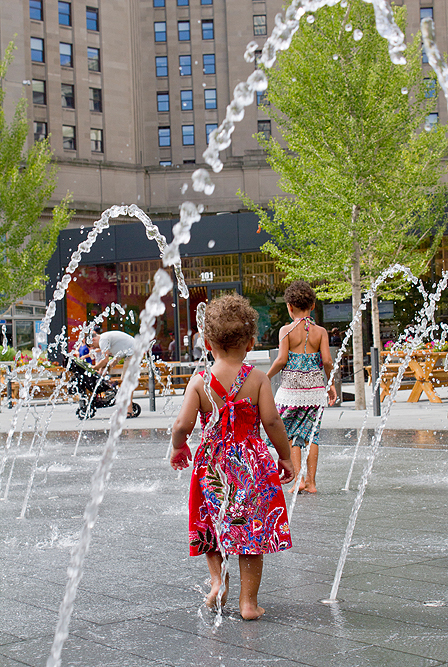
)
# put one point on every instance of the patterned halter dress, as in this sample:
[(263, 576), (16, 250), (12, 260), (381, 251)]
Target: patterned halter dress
[(301, 392), (255, 519)]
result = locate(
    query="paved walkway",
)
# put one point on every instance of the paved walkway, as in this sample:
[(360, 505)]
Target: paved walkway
[(140, 601), (415, 416)]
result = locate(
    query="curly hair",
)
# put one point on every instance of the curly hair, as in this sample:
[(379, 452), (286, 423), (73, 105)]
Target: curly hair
[(300, 295), (230, 322)]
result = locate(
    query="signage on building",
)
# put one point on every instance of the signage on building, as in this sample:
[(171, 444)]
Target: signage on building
[(207, 276)]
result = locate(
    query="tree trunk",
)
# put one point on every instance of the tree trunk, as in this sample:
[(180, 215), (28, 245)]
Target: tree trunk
[(376, 323), (358, 353)]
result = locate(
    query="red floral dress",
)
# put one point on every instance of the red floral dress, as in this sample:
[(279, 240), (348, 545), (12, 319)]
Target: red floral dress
[(254, 518)]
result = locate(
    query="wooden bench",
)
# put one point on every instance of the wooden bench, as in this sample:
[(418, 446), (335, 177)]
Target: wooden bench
[(39, 388), (388, 376)]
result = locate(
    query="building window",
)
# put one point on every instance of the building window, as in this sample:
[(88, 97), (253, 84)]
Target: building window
[(209, 129), (93, 59), (426, 13), (432, 119), (165, 163), (96, 141), (40, 130), (36, 11), (69, 137), (183, 31), (160, 31), (186, 100), (262, 99), (161, 66), (258, 53), (66, 54), (430, 87), (92, 19), (208, 63), (210, 98), (39, 92), (188, 135), (95, 100), (264, 127), (37, 50), (260, 25), (206, 2), (158, 3), (65, 13), (183, 3), (164, 137), (208, 30), (163, 102), (185, 65), (68, 95), (424, 55)]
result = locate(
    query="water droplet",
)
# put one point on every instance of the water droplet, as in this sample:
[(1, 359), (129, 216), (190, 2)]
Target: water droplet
[(427, 127), (335, 57), (310, 18), (404, 90), (344, 3), (211, 243), (357, 35), (348, 27)]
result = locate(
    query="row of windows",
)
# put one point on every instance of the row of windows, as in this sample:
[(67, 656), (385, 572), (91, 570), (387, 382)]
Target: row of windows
[(183, 30), (65, 54), (186, 100), (180, 3), (67, 95), (264, 126), (208, 65), (69, 136), (65, 14)]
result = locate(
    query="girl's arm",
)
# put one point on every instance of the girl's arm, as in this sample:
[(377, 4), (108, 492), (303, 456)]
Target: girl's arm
[(328, 364), (183, 426), (275, 430), (282, 357)]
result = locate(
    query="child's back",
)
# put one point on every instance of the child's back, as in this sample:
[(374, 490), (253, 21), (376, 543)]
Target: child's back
[(236, 502)]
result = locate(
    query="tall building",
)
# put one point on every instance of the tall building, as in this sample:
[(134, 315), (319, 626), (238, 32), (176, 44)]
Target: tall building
[(129, 92)]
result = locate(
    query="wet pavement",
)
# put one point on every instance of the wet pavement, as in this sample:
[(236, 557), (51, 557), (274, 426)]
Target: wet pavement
[(140, 601)]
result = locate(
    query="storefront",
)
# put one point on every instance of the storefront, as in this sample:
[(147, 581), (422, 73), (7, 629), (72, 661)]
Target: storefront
[(223, 256)]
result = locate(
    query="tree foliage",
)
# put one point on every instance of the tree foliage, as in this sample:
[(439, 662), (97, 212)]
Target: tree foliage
[(27, 181), (361, 173)]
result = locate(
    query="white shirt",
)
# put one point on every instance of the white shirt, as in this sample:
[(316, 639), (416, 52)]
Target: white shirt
[(117, 342)]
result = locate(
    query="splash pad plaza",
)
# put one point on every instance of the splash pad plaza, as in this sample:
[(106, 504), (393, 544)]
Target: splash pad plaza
[(135, 592), (140, 600)]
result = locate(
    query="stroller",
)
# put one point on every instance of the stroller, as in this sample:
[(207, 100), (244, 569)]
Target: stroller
[(86, 382)]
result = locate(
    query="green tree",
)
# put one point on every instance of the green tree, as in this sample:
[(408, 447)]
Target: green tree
[(27, 181), (362, 176)]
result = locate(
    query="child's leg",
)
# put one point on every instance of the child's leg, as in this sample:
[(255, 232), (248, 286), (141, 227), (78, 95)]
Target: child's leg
[(296, 458), (214, 562), (311, 463), (251, 568)]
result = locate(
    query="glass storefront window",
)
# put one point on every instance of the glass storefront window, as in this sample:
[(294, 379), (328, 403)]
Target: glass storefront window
[(91, 290), (216, 268), (264, 287), (25, 334)]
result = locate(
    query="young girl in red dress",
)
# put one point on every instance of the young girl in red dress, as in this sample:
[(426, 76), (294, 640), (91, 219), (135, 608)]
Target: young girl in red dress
[(236, 501)]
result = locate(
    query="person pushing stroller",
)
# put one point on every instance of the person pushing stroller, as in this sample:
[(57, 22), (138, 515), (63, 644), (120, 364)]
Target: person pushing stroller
[(118, 345)]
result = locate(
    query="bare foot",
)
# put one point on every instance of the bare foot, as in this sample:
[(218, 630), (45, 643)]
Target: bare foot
[(212, 598), (249, 612), (310, 488), (301, 487)]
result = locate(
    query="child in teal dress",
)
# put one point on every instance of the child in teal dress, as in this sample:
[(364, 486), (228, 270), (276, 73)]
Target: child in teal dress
[(303, 352)]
